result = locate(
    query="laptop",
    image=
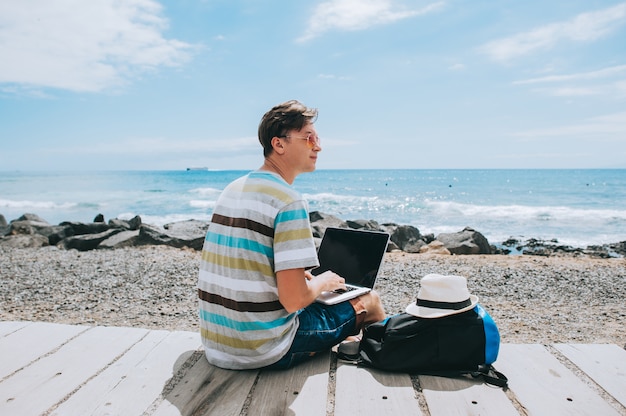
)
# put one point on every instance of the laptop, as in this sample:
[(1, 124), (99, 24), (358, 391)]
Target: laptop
[(355, 255)]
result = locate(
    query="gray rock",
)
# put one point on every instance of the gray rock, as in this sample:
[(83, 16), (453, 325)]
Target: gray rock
[(406, 237), (413, 246), (152, 235), (468, 241), (56, 233), (364, 225), (189, 227), (132, 224), (428, 238), (24, 226), (31, 217), (117, 223), (86, 242), (320, 222), (4, 227), (24, 241), (391, 246), (80, 228), (126, 238), (135, 222), (618, 248), (191, 232)]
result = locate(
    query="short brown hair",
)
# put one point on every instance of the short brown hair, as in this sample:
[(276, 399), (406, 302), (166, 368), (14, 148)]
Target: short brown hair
[(290, 115)]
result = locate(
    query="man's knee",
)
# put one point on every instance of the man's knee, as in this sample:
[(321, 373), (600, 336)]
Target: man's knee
[(372, 300), (374, 307)]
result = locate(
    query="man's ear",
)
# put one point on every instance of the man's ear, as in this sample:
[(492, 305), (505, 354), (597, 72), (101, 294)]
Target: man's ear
[(277, 145)]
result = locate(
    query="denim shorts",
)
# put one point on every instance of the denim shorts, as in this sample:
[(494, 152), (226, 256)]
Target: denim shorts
[(321, 327)]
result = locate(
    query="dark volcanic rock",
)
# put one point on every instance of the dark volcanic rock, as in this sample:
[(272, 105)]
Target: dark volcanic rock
[(80, 228), (405, 237), (30, 230), (86, 242), (320, 222)]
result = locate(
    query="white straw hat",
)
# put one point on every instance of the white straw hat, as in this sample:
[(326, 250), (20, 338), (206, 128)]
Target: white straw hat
[(441, 296)]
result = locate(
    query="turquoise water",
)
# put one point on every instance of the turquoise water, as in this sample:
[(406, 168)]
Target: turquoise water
[(577, 207)]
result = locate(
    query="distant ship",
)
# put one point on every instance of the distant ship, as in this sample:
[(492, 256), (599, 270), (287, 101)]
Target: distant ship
[(198, 168)]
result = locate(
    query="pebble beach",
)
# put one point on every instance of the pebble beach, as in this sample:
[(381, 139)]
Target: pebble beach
[(532, 299)]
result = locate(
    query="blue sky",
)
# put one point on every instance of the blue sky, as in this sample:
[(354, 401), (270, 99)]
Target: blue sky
[(141, 84)]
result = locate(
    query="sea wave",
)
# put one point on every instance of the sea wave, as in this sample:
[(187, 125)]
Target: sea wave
[(577, 207), (331, 197), (206, 191), (578, 227), (161, 220), (574, 226), (204, 204), (527, 213), (346, 204), (43, 205)]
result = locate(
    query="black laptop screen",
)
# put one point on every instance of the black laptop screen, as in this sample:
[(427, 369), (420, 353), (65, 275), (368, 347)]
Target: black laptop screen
[(355, 255)]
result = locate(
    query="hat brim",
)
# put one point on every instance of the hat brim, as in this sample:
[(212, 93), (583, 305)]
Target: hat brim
[(422, 312)]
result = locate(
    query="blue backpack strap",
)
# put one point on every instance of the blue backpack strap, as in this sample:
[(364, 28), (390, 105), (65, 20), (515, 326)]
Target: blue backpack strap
[(492, 335)]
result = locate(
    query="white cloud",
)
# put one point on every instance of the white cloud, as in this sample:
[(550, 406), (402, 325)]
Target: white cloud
[(601, 73), (576, 91), (351, 15), (614, 89), (83, 45), (585, 27), (607, 81), (610, 127)]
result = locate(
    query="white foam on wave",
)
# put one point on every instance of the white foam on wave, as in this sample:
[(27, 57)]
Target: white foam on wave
[(524, 212), (206, 191), (328, 196), (330, 202), (572, 226), (161, 220), (198, 203), (44, 205), (575, 227)]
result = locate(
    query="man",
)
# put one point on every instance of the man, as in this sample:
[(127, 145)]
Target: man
[(256, 301)]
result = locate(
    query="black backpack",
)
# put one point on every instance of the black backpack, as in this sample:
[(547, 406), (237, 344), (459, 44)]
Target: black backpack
[(459, 344)]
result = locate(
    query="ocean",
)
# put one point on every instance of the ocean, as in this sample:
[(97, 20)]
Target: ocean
[(575, 207)]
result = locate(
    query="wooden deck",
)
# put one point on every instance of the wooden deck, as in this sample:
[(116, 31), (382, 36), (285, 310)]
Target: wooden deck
[(53, 369)]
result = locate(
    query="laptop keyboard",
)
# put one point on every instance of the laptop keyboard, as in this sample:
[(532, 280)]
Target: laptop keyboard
[(347, 289)]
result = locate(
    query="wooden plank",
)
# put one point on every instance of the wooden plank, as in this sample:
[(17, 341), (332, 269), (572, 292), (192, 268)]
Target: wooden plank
[(20, 348), (604, 363), (40, 386), (544, 386), (208, 390), (367, 391), (11, 326), (302, 390), (464, 396), (131, 384), (123, 370)]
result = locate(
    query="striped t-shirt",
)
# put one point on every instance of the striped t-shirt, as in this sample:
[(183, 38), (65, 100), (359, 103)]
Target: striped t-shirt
[(260, 225)]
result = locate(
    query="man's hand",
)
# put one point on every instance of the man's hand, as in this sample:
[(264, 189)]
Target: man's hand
[(297, 288), (330, 281)]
